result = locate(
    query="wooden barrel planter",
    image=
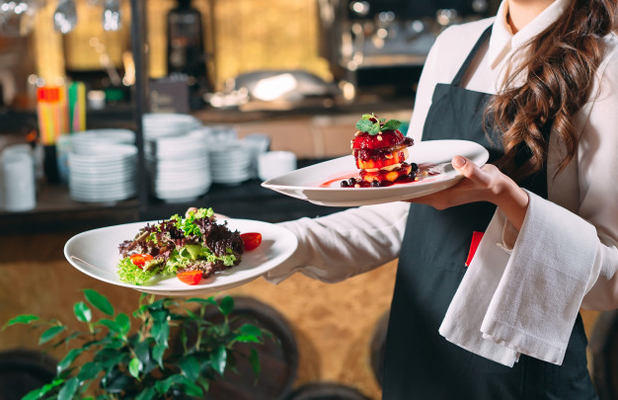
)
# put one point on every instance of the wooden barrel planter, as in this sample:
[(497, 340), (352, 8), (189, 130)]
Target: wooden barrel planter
[(278, 357), (22, 371), (378, 346), (604, 350), (326, 391)]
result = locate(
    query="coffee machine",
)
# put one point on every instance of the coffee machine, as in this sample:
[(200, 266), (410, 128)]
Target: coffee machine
[(381, 45)]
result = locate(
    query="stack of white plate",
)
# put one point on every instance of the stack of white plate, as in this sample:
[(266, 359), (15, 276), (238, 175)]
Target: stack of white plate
[(104, 173), (179, 167), (165, 124), (83, 142), (231, 162)]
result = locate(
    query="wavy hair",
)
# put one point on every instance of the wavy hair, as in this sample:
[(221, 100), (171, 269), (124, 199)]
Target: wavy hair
[(559, 70)]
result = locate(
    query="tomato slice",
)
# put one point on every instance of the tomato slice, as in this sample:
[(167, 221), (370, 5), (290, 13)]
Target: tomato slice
[(190, 277), (251, 239), (139, 260)]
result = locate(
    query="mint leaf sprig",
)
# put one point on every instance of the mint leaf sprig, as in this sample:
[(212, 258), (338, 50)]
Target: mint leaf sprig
[(373, 125)]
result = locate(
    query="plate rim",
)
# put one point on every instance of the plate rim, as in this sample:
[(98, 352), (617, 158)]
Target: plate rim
[(389, 191), (188, 290)]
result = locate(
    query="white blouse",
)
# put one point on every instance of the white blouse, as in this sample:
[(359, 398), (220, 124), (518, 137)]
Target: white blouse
[(564, 257)]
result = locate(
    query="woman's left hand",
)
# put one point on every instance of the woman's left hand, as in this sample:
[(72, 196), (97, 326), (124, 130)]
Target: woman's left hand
[(486, 183)]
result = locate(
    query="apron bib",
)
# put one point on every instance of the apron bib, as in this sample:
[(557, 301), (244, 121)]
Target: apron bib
[(419, 362)]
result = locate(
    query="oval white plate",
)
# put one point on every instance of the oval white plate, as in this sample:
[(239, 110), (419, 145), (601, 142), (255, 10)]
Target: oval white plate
[(95, 253), (319, 183)]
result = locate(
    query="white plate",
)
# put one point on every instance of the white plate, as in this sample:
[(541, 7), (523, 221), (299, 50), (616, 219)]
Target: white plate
[(319, 184), (95, 253)]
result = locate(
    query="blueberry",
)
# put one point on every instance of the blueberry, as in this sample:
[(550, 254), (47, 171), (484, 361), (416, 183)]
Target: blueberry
[(344, 184), (375, 183), (414, 167)]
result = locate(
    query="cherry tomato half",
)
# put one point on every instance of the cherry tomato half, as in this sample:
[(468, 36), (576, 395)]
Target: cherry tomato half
[(190, 277), (139, 260), (252, 240)]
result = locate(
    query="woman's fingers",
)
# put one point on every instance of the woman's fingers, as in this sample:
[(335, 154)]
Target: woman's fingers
[(471, 171)]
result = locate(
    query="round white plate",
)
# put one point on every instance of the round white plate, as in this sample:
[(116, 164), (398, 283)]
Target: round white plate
[(319, 183), (95, 253)]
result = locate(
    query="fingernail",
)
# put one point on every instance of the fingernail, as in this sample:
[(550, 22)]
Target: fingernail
[(459, 161)]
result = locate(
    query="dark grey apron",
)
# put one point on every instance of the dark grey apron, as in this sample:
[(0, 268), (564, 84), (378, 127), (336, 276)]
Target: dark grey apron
[(421, 364)]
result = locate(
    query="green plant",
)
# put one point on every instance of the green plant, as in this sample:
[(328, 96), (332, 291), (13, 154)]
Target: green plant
[(121, 360)]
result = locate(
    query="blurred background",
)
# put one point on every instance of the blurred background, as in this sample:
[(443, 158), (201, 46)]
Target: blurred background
[(259, 75)]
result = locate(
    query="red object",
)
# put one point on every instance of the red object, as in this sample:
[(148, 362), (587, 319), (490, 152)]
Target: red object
[(49, 94), (190, 277), (476, 239), (140, 259), (382, 140), (251, 239)]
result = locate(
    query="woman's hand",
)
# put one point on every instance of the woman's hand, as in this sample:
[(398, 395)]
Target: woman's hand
[(481, 184)]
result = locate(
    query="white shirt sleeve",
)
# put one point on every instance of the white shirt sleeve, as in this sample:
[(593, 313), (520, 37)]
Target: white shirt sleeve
[(346, 243)]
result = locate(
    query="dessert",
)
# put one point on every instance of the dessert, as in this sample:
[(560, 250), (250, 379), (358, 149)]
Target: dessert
[(380, 151)]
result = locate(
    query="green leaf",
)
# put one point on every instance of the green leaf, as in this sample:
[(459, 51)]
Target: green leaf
[(247, 339), (38, 393), (254, 361), (68, 359), (160, 332), (34, 394), (375, 129), (147, 394), (99, 301), (111, 325), (82, 312), (89, 371), (190, 367), (391, 125), (218, 358), (69, 389), (250, 329), (227, 305), (157, 354), (364, 125), (21, 319), (142, 351), (192, 389), (51, 333), (210, 300), (164, 386), (134, 367), (124, 323)]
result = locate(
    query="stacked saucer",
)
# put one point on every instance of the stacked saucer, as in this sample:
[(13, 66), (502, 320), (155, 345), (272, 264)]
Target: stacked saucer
[(178, 167), (231, 162), (83, 142), (166, 124), (104, 173)]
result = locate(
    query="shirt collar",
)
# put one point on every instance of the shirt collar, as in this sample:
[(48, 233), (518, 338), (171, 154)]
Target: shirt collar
[(502, 40)]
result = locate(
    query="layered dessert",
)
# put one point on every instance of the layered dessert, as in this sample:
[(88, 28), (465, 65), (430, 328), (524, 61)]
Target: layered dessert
[(380, 151)]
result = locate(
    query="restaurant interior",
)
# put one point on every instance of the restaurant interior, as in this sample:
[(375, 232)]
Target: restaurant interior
[(124, 111)]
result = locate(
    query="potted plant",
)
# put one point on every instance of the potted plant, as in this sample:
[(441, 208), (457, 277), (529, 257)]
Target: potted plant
[(118, 356)]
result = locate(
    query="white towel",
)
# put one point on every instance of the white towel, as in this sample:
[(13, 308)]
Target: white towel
[(525, 302)]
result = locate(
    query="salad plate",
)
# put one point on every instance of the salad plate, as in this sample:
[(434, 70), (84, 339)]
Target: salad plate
[(320, 183), (95, 253)]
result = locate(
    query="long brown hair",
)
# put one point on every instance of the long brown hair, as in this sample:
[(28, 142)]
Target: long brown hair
[(559, 73)]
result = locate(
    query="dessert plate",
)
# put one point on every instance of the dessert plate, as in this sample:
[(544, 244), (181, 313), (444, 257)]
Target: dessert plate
[(95, 253), (320, 183)]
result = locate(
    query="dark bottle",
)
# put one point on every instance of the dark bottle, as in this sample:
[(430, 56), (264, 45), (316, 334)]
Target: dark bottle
[(186, 57)]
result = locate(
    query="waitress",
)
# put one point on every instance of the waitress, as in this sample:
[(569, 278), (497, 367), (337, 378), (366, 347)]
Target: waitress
[(538, 87)]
